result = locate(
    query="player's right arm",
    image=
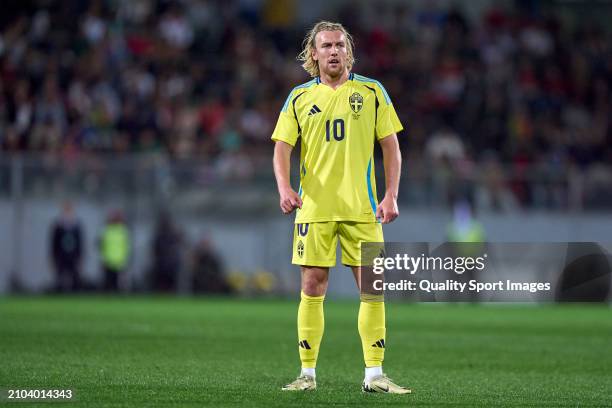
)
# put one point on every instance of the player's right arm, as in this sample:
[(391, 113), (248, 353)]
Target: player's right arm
[(285, 135), (289, 199)]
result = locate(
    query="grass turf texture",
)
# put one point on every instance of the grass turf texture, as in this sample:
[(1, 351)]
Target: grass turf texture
[(189, 352)]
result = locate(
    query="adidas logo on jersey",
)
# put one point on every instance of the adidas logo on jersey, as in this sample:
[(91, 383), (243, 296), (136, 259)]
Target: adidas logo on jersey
[(314, 110), (379, 344)]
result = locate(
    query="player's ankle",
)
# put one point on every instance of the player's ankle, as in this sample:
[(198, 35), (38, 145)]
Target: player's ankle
[(372, 372), (309, 371)]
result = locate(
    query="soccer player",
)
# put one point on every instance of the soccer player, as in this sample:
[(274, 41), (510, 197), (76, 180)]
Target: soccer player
[(338, 115)]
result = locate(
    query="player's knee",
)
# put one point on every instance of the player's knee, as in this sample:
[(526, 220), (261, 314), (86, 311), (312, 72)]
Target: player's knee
[(314, 284), (314, 288)]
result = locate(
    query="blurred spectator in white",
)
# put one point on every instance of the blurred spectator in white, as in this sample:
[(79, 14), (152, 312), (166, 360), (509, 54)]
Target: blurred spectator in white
[(445, 144), (175, 29), (94, 26), (23, 110), (444, 150)]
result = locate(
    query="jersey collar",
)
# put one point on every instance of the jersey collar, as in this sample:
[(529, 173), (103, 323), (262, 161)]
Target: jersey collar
[(350, 78)]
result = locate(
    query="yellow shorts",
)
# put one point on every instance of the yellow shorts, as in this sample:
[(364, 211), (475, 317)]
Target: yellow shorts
[(315, 244)]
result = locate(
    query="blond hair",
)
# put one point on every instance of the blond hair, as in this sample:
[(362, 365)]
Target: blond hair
[(309, 64)]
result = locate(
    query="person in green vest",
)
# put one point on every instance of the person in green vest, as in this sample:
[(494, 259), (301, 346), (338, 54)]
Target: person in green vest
[(465, 227), (114, 250), (466, 237)]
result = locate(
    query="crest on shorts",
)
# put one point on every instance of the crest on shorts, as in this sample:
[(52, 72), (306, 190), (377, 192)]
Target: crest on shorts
[(356, 102), (300, 249)]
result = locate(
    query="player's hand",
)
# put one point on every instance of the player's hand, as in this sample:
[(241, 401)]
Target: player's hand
[(289, 201), (387, 210)]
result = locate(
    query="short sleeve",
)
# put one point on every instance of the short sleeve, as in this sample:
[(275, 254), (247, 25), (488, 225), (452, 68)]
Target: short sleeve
[(387, 121), (286, 129)]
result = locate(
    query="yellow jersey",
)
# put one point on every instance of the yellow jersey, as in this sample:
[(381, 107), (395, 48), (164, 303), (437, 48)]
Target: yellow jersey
[(337, 130)]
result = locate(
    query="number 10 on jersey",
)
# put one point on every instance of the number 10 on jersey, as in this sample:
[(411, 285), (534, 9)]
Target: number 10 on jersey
[(338, 129)]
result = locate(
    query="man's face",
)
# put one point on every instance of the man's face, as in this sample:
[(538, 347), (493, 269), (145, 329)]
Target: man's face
[(330, 52), (68, 210)]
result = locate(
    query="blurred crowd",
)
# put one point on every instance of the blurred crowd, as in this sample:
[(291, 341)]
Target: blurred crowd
[(511, 95), (176, 265)]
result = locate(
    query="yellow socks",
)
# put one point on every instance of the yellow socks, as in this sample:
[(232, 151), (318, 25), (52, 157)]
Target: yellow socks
[(372, 330), (371, 325), (310, 328)]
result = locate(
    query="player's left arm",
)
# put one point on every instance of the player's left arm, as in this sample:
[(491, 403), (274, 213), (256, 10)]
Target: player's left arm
[(387, 210)]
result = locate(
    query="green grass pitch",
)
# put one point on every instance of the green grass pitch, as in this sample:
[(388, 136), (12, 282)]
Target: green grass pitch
[(221, 352)]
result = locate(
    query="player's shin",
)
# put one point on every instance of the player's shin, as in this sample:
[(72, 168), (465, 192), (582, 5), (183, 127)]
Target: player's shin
[(311, 322), (372, 330)]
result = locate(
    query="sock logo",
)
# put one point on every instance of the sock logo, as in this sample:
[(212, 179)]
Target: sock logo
[(314, 110), (304, 344), (379, 344)]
